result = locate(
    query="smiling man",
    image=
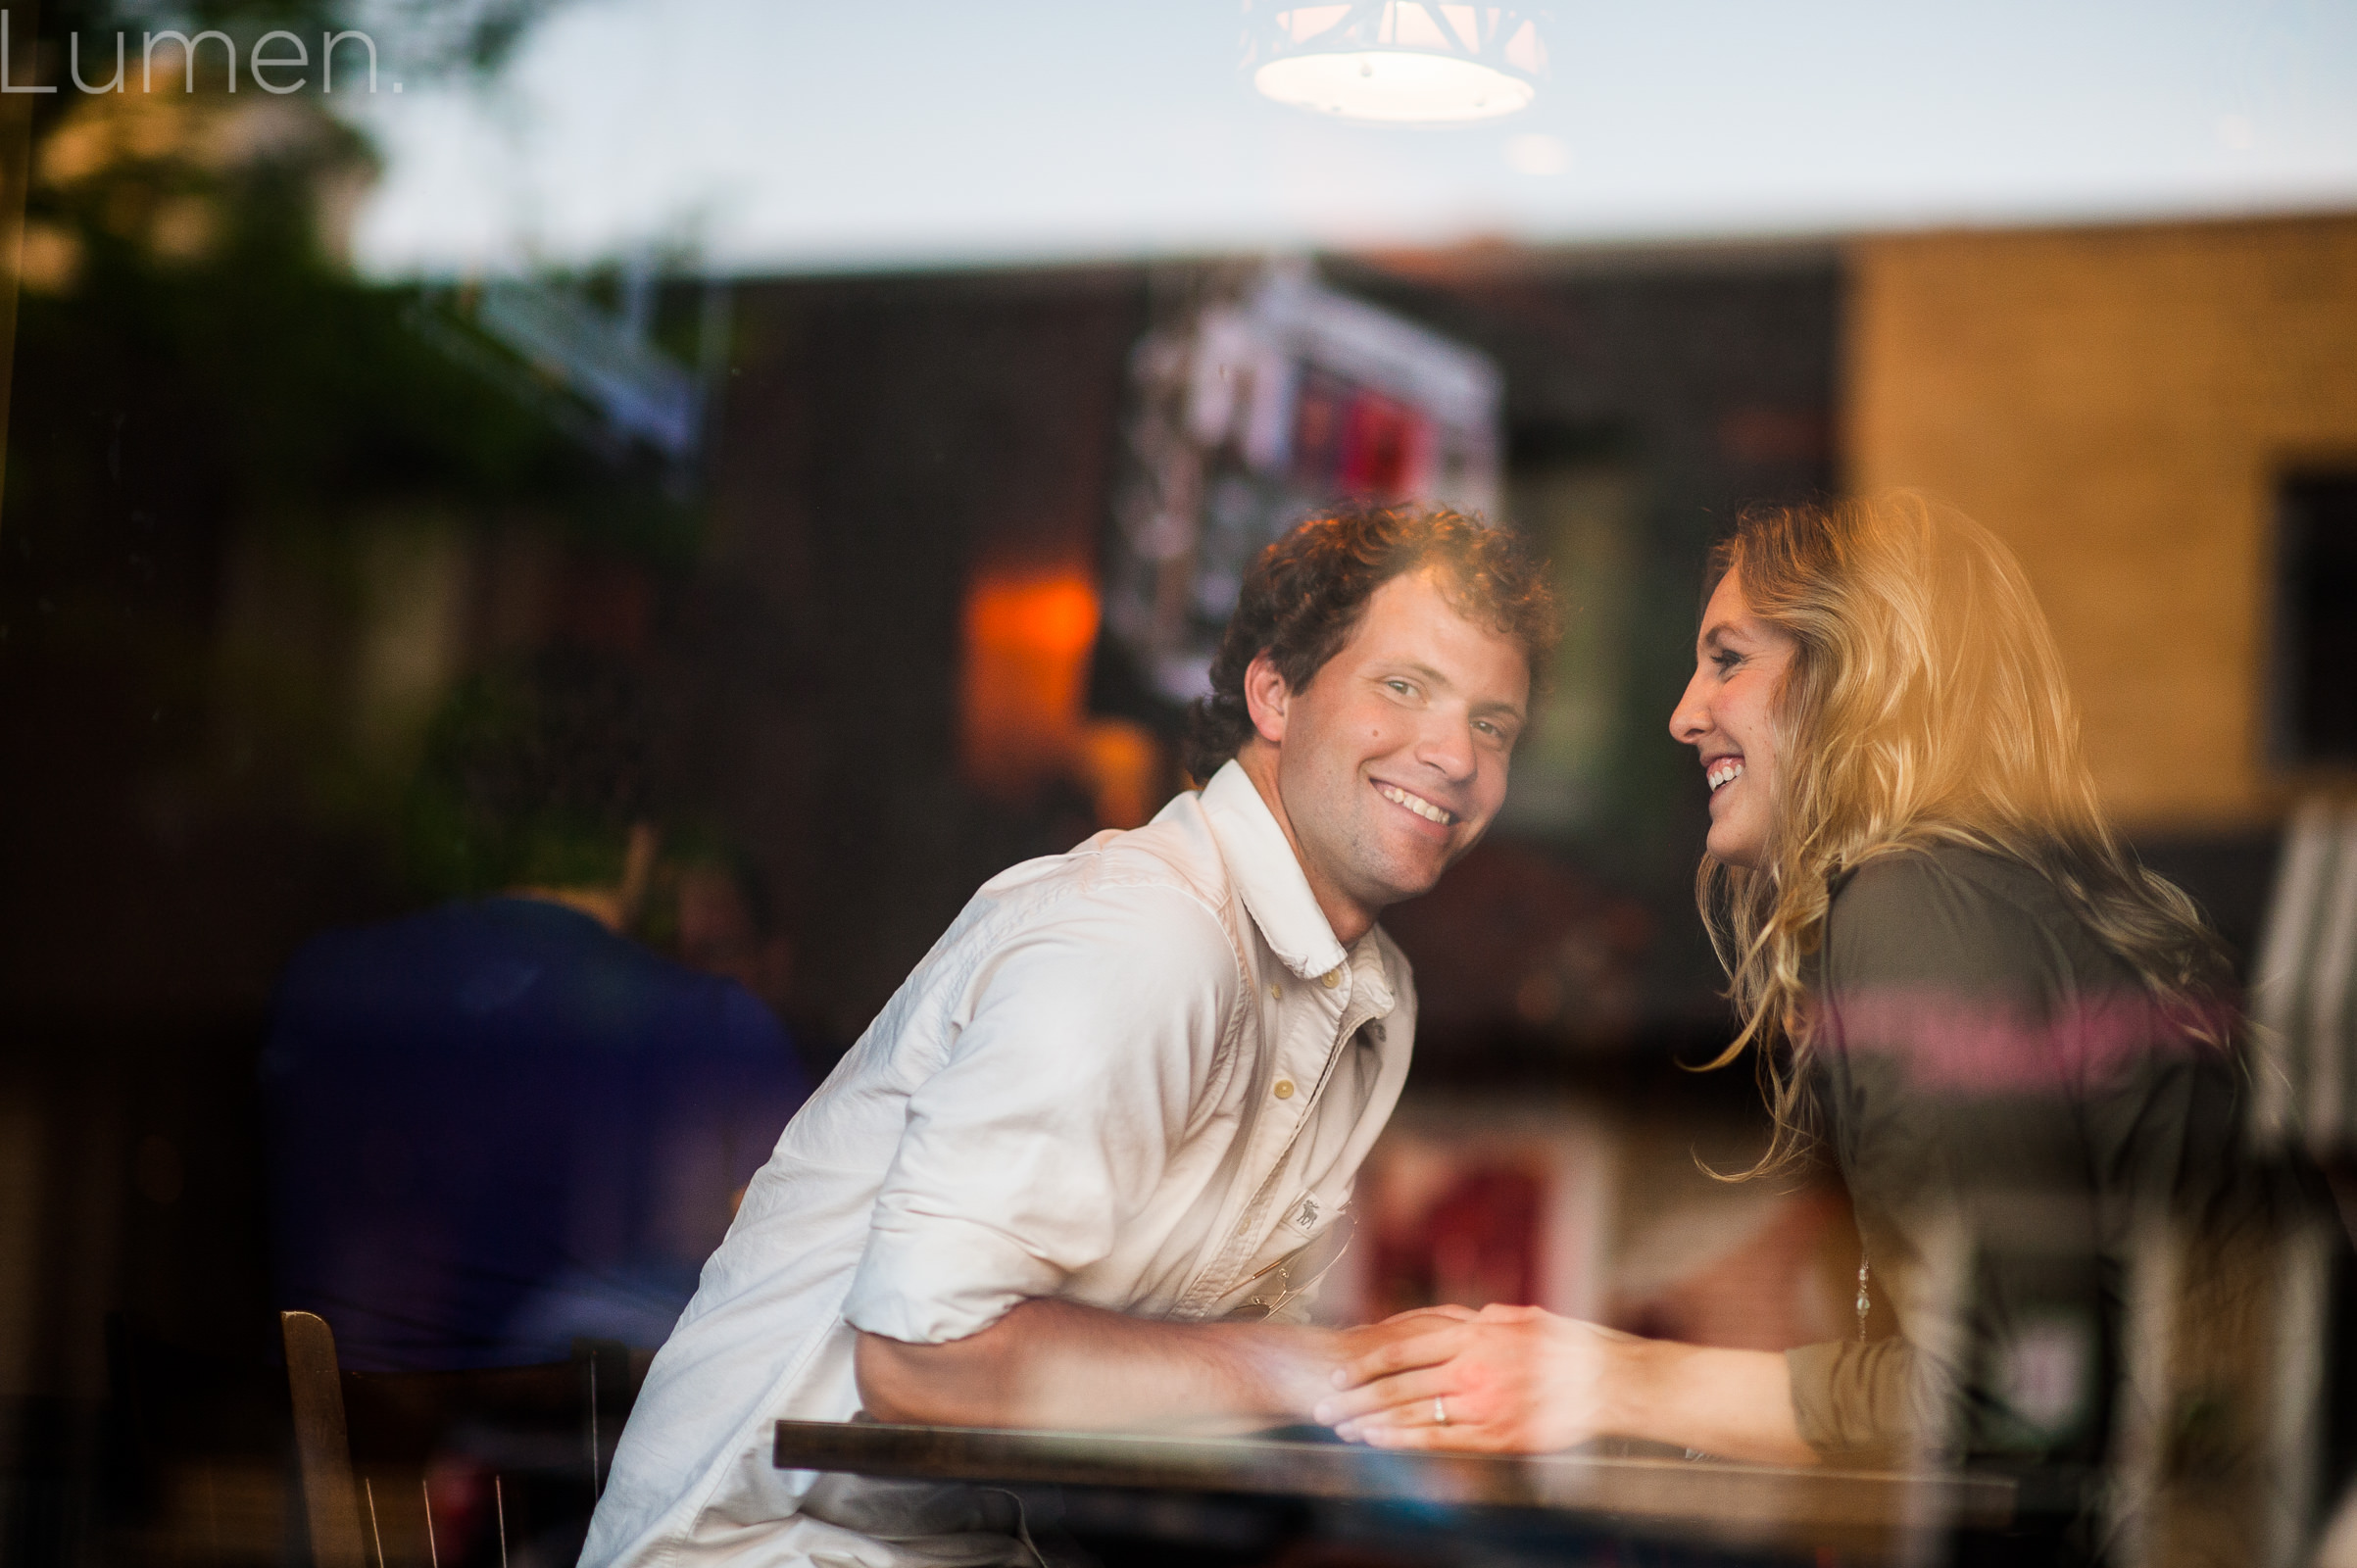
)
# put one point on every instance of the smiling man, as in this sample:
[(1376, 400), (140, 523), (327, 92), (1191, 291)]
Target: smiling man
[(1083, 1169)]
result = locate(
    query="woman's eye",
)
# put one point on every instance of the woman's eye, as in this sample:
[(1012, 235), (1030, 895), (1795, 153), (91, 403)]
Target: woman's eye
[(1726, 661)]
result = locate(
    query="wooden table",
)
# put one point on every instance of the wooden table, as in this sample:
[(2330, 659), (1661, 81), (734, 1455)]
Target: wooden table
[(1871, 1512)]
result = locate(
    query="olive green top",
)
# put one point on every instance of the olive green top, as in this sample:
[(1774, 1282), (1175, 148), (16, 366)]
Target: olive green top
[(2006, 1102)]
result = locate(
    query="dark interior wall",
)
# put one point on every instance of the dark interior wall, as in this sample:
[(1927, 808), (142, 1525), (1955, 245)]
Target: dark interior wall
[(882, 441)]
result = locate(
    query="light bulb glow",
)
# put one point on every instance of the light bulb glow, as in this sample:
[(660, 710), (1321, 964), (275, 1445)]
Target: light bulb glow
[(1392, 87), (1396, 61)]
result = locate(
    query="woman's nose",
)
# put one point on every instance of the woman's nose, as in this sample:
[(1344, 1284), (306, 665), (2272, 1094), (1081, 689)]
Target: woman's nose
[(1689, 721)]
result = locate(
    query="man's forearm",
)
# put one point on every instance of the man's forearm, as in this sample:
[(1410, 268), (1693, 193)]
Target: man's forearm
[(1058, 1364)]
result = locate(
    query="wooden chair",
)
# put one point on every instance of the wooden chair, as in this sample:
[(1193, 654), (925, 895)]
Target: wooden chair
[(322, 1447), (505, 1453)]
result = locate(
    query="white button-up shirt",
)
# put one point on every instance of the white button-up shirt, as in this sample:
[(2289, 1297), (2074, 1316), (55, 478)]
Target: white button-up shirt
[(1136, 1076)]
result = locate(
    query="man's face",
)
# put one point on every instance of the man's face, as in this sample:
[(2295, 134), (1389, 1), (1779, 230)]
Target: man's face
[(1391, 761)]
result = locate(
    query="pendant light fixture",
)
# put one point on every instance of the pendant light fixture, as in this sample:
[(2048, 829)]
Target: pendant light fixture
[(1397, 62)]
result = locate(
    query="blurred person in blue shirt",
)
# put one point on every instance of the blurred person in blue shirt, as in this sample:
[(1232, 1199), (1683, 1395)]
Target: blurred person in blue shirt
[(500, 1124)]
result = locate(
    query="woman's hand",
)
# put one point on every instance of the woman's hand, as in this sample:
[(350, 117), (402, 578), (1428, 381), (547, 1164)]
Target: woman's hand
[(1302, 1362), (1519, 1379), (1510, 1379)]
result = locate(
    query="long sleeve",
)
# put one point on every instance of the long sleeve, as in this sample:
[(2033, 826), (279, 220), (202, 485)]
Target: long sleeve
[(1070, 1083)]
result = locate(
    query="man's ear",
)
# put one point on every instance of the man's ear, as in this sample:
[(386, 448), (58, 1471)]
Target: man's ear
[(1265, 697)]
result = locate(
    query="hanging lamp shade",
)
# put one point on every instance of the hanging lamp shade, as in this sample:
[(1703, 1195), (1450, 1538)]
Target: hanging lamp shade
[(1402, 62)]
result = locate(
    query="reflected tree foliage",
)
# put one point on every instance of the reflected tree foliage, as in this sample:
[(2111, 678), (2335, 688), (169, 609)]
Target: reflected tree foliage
[(263, 508)]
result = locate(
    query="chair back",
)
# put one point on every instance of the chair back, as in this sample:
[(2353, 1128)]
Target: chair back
[(323, 1446)]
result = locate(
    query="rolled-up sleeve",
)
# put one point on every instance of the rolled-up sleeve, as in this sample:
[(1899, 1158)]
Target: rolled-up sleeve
[(1084, 1038), (1871, 1403)]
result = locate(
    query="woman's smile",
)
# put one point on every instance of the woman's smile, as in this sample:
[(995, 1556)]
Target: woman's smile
[(1728, 716)]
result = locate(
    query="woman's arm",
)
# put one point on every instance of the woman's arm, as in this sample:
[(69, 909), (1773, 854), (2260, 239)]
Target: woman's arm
[(1521, 1380)]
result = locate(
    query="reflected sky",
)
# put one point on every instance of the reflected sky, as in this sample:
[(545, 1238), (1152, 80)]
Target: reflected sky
[(783, 137)]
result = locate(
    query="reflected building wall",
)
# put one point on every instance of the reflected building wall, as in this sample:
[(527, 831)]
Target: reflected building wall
[(2119, 404)]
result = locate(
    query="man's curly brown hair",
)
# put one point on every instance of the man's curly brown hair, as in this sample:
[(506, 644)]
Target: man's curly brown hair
[(1306, 592)]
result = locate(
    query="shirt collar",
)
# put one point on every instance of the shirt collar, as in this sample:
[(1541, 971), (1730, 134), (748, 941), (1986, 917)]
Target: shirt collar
[(1261, 860)]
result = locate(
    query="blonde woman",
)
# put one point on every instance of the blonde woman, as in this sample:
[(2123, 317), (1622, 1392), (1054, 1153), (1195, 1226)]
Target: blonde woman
[(1959, 985)]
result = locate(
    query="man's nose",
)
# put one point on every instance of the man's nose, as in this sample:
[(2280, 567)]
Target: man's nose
[(1447, 746)]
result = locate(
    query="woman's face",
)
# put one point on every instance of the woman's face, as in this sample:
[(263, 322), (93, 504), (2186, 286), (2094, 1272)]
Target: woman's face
[(1727, 715)]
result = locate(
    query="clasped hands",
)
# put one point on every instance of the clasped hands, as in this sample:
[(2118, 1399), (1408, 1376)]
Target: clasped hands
[(1507, 1379)]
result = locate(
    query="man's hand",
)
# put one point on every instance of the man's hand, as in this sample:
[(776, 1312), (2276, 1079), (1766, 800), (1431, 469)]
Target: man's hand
[(1060, 1365)]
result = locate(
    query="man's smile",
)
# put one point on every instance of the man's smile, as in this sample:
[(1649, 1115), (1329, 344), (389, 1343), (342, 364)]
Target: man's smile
[(1416, 804)]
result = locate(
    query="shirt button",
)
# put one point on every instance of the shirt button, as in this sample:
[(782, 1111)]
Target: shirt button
[(1331, 978), (1283, 1088)]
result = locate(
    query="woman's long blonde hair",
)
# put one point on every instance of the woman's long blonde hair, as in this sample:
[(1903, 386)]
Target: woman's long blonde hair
[(1925, 704)]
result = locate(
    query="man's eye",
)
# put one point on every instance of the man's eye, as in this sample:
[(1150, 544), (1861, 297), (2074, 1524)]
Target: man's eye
[(1400, 686)]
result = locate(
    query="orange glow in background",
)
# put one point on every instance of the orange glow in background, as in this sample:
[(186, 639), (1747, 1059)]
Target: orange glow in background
[(1024, 694)]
